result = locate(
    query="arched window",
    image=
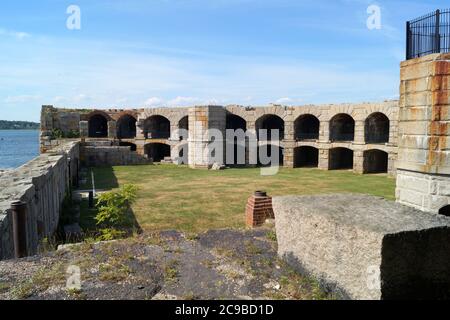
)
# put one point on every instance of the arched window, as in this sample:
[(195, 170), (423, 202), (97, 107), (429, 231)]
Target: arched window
[(307, 127), (375, 161), (342, 128), (270, 123), (98, 126), (340, 159), (126, 127), (157, 127), (306, 157), (377, 128)]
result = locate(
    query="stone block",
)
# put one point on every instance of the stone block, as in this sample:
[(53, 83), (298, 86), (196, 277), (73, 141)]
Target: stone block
[(364, 247)]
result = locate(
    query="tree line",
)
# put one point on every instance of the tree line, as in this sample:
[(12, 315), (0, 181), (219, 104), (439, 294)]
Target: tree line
[(18, 125)]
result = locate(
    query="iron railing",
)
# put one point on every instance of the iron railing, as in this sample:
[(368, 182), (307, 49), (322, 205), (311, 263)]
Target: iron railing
[(428, 34)]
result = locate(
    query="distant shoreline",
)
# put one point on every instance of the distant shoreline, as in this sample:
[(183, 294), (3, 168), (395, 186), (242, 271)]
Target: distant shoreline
[(19, 125)]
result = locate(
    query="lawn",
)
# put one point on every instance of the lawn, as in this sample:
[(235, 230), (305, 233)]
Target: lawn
[(177, 197)]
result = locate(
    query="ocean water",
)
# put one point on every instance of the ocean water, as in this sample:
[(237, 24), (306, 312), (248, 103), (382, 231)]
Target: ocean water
[(17, 147)]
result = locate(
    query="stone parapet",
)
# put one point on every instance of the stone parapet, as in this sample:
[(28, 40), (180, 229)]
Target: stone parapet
[(364, 247), (42, 184)]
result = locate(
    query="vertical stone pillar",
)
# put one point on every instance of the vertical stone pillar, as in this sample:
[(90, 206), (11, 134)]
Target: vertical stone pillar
[(324, 159), (288, 149), (112, 129), (203, 121), (252, 144), (423, 166), (84, 129), (288, 143), (324, 134), (140, 129), (359, 132), (358, 161)]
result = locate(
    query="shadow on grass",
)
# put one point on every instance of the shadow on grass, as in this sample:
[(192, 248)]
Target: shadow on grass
[(104, 178)]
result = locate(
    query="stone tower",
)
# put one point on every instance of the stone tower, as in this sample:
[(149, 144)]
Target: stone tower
[(423, 167)]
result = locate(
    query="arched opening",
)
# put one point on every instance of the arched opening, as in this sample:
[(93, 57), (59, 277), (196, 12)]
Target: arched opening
[(377, 128), (126, 127), (445, 211), (98, 126), (183, 127), (268, 158), (342, 128), (307, 127), (235, 122), (238, 145), (306, 157), (270, 122), (340, 159), (375, 161), (157, 151), (157, 127), (128, 144)]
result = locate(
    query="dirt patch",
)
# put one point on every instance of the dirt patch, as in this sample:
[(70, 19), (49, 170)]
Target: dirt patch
[(219, 264)]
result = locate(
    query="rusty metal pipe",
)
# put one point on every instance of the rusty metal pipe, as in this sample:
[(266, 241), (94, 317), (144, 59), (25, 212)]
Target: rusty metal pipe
[(19, 221)]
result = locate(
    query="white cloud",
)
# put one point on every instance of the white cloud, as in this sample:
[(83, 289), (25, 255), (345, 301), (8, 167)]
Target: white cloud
[(184, 101), (15, 34), (284, 101), (153, 101), (22, 98)]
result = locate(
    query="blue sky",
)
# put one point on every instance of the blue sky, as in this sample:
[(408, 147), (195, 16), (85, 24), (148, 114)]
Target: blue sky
[(139, 53)]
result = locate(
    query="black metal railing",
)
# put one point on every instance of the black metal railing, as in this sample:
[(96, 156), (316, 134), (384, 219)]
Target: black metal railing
[(428, 34)]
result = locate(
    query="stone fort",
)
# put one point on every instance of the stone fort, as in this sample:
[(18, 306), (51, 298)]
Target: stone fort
[(362, 137), (406, 138)]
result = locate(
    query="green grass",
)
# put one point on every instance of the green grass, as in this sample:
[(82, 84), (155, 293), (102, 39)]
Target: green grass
[(177, 197)]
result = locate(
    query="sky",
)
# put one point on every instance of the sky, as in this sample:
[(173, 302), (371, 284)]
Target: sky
[(152, 53)]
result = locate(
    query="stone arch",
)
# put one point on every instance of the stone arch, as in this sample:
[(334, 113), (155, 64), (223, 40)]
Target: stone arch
[(340, 159), (270, 122), (236, 122), (342, 128), (306, 156), (375, 161), (157, 127), (126, 127), (98, 125), (157, 151), (242, 112), (307, 127), (445, 211), (376, 128)]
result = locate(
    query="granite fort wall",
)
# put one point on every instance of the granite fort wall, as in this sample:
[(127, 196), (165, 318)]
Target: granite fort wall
[(65, 120), (42, 184)]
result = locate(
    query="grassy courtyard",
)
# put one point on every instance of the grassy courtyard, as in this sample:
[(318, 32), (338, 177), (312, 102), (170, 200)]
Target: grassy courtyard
[(177, 197)]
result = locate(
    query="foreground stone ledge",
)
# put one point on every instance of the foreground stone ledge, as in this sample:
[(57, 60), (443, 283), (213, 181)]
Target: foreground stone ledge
[(364, 247)]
